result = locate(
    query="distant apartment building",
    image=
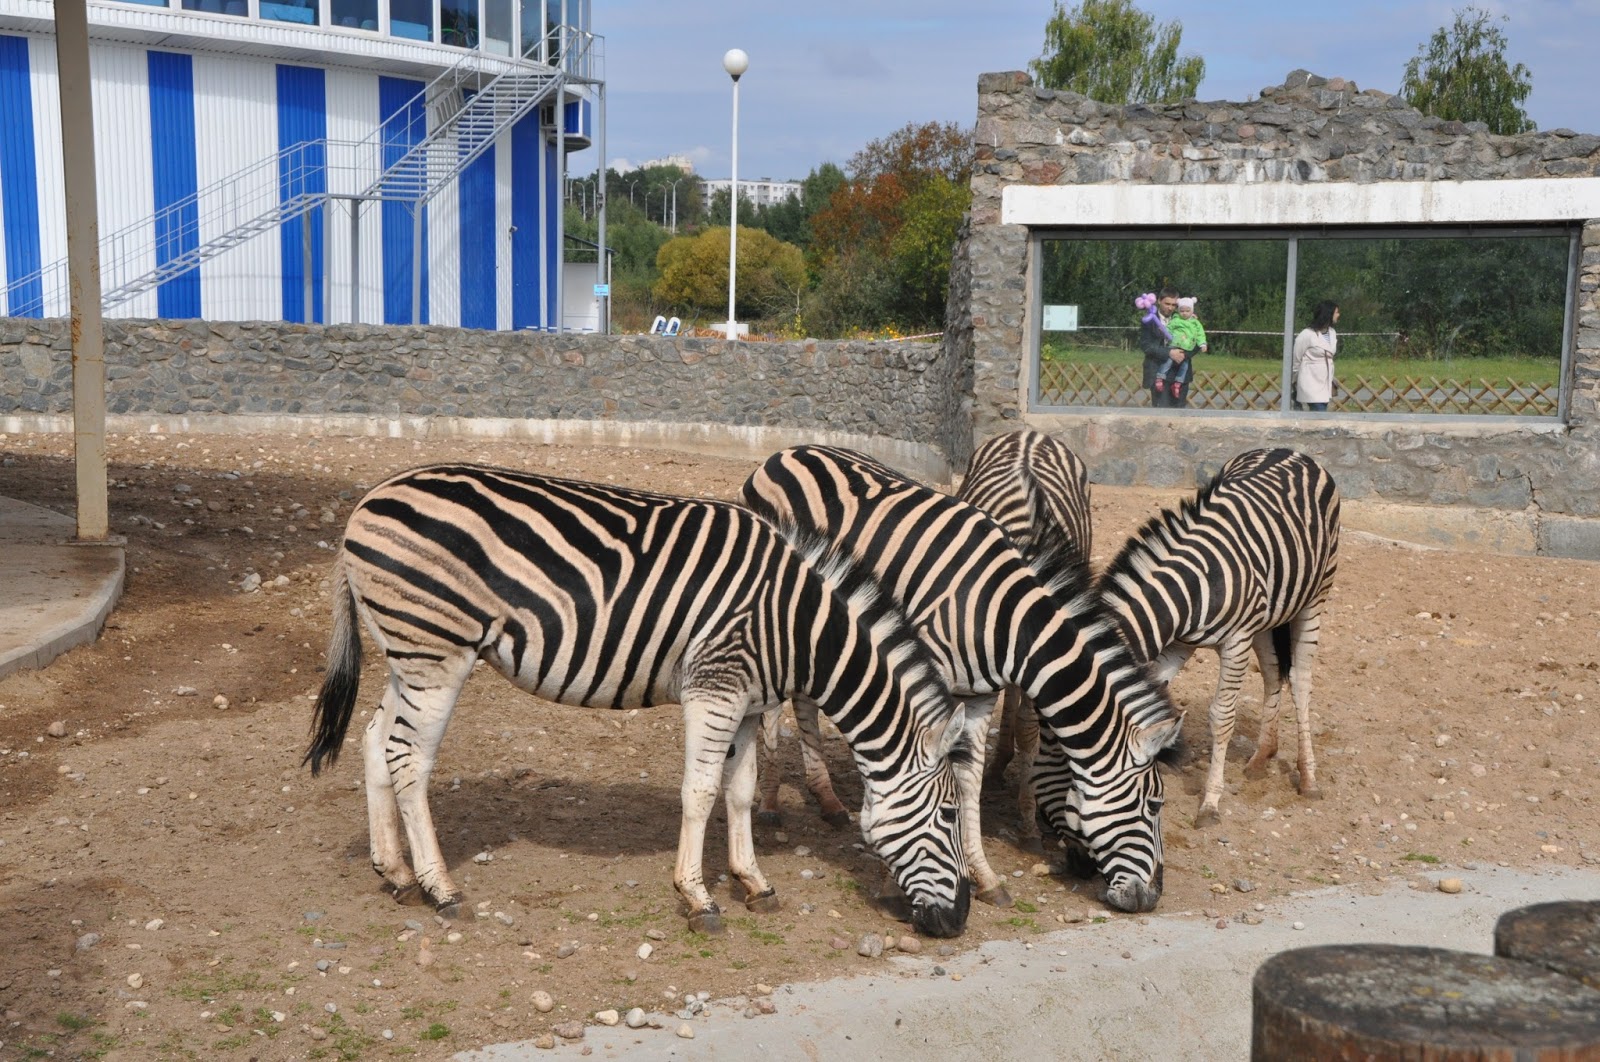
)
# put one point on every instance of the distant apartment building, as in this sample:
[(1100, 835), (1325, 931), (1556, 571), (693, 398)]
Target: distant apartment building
[(762, 191), (680, 162)]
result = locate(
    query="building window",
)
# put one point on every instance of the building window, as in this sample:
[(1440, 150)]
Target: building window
[(354, 14), (217, 7), (497, 26), (1467, 322), (412, 19), (458, 23), (305, 12)]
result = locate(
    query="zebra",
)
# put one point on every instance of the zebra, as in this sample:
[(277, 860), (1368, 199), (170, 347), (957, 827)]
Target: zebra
[(991, 622), (598, 596), (1248, 563), (1028, 483)]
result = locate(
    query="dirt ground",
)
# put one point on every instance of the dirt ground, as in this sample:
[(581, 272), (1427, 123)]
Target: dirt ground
[(177, 886)]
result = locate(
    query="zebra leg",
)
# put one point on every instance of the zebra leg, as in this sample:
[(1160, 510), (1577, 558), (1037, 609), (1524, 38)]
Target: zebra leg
[(1233, 659), (770, 774), (1305, 635), (416, 710), (806, 721), (383, 814), (1000, 756), (739, 788), (710, 723), (1027, 742), (1272, 678), (987, 886)]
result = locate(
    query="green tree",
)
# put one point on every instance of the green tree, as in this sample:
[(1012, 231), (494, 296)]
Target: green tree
[(920, 252), (1462, 75), (694, 273), (1111, 51)]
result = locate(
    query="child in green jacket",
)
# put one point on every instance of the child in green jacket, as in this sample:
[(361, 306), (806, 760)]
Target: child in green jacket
[(1188, 335)]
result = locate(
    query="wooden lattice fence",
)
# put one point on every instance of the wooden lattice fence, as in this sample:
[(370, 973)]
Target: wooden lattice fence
[(1090, 384)]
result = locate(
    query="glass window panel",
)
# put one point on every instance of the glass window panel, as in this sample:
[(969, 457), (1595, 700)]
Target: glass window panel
[(497, 26), (1090, 352), (217, 7), (458, 23), (412, 19), (301, 11), (354, 14), (530, 18), (1468, 325)]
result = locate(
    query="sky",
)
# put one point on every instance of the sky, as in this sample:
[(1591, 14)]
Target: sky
[(828, 76)]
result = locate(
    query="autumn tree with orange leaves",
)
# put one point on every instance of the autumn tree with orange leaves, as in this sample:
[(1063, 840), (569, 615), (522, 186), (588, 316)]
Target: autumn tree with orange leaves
[(880, 250)]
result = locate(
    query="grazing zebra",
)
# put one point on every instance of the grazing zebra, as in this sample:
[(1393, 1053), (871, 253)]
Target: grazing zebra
[(1029, 484), (992, 622), (602, 597), (1249, 562)]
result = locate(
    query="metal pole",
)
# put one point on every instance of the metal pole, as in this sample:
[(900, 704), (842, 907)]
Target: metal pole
[(355, 261), (603, 263), (558, 313), (327, 261), (733, 213), (1286, 369), (83, 270), (305, 263)]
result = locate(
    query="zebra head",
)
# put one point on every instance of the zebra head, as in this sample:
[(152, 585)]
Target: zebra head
[(915, 826), (1117, 817)]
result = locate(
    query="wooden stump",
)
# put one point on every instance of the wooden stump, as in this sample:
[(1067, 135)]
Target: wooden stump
[(1386, 1003), (1562, 937)]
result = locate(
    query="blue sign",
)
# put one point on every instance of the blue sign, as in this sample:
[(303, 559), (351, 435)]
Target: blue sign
[(602, 290)]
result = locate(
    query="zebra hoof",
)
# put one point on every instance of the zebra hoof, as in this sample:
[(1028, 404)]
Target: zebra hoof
[(1206, 817), (996, 897), (1314, 793), (408, 895), (1257, 771), (837, 819), (769, 818), (1033, 844), (708, 923), (450, 909), (766, 903), (896, 907)]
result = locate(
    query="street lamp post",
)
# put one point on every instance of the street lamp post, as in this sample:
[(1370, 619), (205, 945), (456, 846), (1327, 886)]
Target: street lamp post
[(735, 62), (674, 228), (631, 185)]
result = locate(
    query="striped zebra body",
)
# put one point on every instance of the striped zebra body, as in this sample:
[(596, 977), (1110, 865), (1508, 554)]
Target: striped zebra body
[(991, 622), (597, 596), (1037, 490), (1248, 563)]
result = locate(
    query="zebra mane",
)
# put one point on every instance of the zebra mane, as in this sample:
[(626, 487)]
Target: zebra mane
[(842, 573), (1054, 557), (1157, 537)]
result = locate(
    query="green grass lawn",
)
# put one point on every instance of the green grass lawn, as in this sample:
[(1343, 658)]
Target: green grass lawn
[(1541, 372)]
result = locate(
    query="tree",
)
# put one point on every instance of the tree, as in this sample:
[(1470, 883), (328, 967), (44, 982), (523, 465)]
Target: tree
[(1113, 52), (1462, 75), (694, 273)]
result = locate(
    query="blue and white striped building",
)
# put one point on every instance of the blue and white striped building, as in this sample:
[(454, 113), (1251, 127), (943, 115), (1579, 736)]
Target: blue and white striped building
[(270, 159)]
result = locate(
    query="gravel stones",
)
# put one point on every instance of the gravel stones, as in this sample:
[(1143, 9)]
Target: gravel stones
[(542, 1002), (635, 1018), (870, 946), (568, 1030)]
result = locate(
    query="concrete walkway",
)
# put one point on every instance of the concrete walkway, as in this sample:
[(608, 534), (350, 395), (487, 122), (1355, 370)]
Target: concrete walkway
[(55, 594), (1171, 987)]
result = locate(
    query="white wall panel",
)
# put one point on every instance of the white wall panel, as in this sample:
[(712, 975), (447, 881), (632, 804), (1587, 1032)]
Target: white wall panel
[(352, 118), (124, 181), (444, 256), (47, 163), (236, 126), (502, 231)]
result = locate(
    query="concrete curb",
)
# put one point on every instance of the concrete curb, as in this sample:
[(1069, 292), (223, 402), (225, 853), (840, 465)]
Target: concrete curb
[(59, 593)]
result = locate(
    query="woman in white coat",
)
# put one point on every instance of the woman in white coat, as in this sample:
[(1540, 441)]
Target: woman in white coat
[(1314, 351)]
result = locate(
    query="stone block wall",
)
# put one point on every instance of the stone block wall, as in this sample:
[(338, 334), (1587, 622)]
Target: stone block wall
[(187, 369), (1310, 129)]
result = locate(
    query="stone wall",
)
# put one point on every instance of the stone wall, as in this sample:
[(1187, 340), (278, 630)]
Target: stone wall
[(898, 391), (1308, 130)]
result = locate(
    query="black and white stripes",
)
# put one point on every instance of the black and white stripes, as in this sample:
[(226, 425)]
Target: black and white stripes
[(1249, 562), (604, 597), (992, 622)]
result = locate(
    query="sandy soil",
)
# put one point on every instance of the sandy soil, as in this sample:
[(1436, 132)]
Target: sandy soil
[(177, 886)]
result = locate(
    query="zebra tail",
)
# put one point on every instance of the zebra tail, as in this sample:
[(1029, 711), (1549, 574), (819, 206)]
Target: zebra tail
[(331, 717), (1281, 647)]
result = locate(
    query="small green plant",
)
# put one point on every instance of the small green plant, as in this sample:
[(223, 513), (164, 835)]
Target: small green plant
[(411, 1013), (1099, 920), (1022, 923), (220, 983), (763, 936), (1420, 857), (437, 1031), (75, 1022), (1026, 908), (705, 953), (1207, 872)]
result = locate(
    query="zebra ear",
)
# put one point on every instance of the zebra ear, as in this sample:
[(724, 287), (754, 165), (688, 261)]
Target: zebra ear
[(1147, 742)]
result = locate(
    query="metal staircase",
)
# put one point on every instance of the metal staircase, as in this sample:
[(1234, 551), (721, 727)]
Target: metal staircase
[(466, 107)]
